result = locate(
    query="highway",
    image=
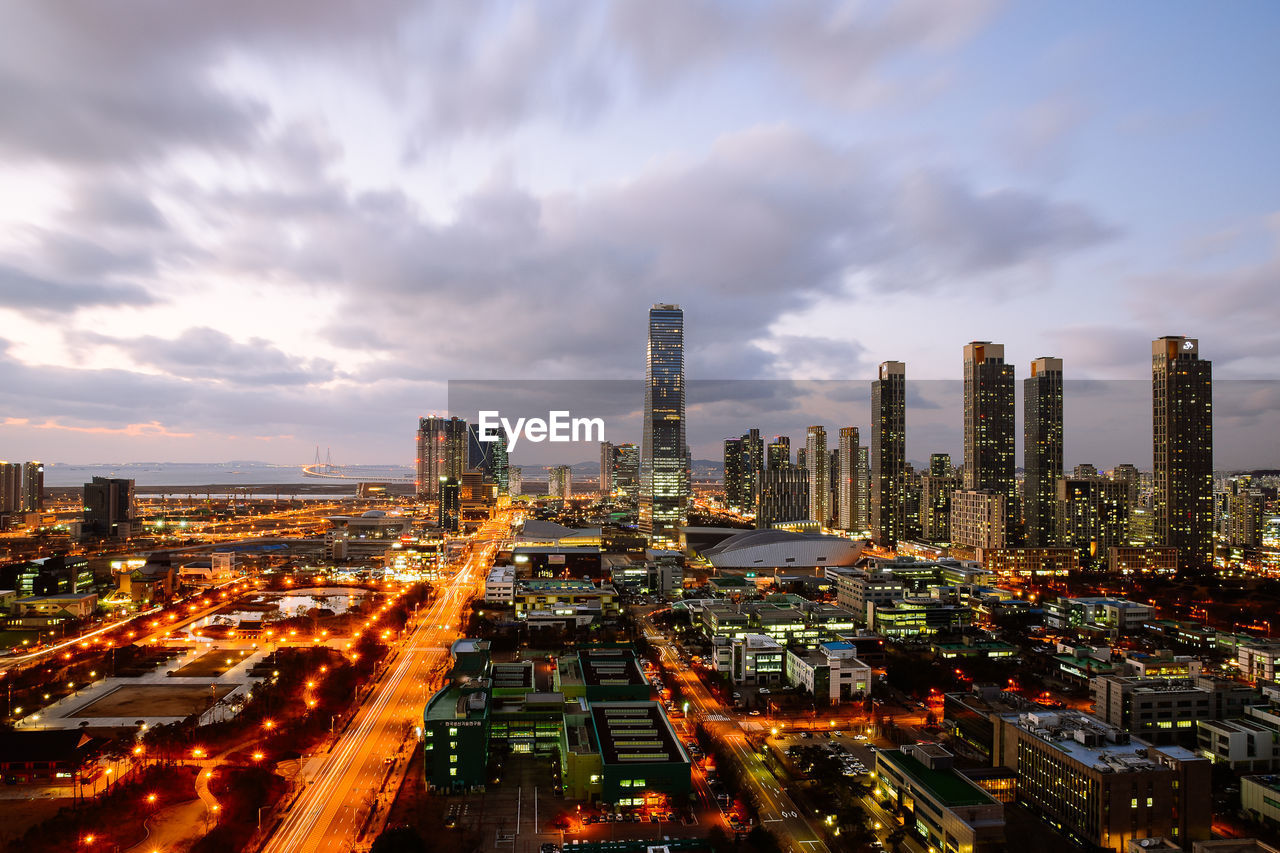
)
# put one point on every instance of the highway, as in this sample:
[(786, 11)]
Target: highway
[(775, 808), (333, 809)]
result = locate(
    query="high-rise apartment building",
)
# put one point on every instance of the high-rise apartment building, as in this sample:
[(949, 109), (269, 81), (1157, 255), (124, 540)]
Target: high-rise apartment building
[(1041, 448), (442, 453), (784, 496), (752, 465), (935, 503), (560, 482), (849, 482), (1092, 516), (10, 487), (1182, 449), (664, 471), (734, 461), (978, 519), (863, 517), (815, 451), (608, 462), (1245, 513), (449, 511), (888, 452), (988, 420), (940, 465), (779, 452), (33, 486)]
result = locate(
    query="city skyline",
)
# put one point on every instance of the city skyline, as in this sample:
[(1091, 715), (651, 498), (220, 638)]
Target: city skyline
[(277, 234)]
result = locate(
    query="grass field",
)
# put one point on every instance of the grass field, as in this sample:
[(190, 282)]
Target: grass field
[(153, 700), (213, 664)]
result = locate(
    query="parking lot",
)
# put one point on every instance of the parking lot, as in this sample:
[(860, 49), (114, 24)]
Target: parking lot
[(855, 753)]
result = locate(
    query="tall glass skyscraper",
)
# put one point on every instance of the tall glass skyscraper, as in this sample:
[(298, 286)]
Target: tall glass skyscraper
[(888, 453), (1042, 449), (664, 471), (988, 425), (1182, 449)]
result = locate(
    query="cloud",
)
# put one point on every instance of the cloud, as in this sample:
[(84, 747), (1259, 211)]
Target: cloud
[(204, 353), (22, 291)]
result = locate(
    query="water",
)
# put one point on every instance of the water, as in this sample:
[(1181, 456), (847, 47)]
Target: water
[(206, 473)]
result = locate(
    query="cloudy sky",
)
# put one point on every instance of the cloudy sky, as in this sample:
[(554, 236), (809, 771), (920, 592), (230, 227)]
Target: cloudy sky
[(243, 229)]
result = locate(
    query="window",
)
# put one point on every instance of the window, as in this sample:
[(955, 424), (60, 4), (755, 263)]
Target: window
[(453, 731), (453, 771), (1133, 804), (453, 759), (1150, 802)]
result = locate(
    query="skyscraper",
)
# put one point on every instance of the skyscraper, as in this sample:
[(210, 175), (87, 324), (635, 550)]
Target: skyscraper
[(560, 482), (847, 456), (779, 452), (815, 452), (863, 517), (442, 453), (940, 464), (33, 486), (1092, 516), (733, 473), (888, 452), (608, 461), (783, 496), (626, 471), (753, 464), (1041, 448), (989, 424), (664, 487), (1182, 447), (10, 487), (449, 511)]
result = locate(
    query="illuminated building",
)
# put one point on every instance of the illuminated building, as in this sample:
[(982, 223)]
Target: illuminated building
[(10, 487), (779, 452), (1092, 516), (33, 487), (664, 473), (815, 447), (442, 453), (1041, 448), (935, 505), (449, 514), (627, 469), (560, 482), (1182, 448), (783, 497), (979, 519), (734, 461), (850, 482), (988, 429), (608, 461), (1025, 561), (888, 452), (752, 464), (1100, 786), (944, 807)]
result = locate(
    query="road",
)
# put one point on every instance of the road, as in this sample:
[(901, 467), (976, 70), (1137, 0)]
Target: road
[(331, 812), (775, 809)]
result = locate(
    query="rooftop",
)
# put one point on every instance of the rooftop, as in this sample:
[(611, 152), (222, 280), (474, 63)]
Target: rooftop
[(947, 787), (634, 733)]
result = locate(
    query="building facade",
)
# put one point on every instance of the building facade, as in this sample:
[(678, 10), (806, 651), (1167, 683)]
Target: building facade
[(888, 452), (664, 457), (1182, 449)]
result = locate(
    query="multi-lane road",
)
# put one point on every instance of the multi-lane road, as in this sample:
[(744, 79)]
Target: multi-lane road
[(332, 812), (775, 808)]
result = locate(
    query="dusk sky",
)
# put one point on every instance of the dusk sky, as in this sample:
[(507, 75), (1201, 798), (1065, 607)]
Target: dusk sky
[(238, 230)]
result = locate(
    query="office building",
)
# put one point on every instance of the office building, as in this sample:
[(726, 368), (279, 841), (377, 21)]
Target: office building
[(10, 487), (849, 499), (752, 464), (779, 452), (664, 471), (108, 508), (784, 496), (33, 486), (815, 451), (560, 482), (888, 452), (989, 425), (1100, 786), (442, 453), (1182, 448), (943, 806), (626, 471), (1092, 516), (449, 513), (1041, 448)]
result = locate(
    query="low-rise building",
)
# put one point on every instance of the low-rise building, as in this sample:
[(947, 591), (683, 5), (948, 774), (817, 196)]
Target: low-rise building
[(1260, 798), (1257, 661), (831, 672), (63, 605), (949, 810), (917, 616), (500, 585), (1100, 786), (750, 659), (1113, 616)]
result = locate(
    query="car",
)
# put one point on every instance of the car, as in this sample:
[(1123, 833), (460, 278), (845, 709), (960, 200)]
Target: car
[(754, 713), (549, 848)]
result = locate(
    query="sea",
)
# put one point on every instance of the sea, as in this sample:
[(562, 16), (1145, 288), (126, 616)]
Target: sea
[(235, 473)]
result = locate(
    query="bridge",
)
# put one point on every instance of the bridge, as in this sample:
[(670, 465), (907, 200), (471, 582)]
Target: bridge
[(327, 470)]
